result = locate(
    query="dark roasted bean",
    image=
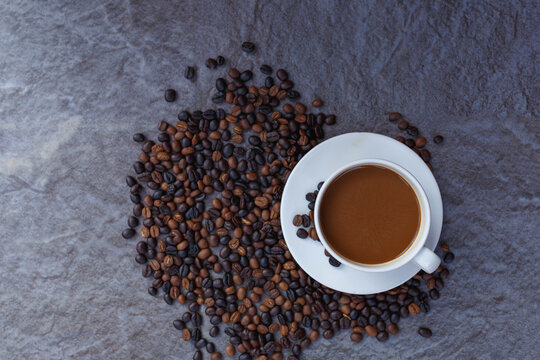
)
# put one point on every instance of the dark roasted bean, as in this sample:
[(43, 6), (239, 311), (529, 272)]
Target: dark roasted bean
[(170, 95), (248, 47), (424, 332), (189, 73)]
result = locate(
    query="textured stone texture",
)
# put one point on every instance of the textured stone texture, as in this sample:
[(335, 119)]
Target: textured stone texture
[(78, 78)]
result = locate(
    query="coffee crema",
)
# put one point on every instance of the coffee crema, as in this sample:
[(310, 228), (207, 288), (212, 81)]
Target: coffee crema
[(369, 214)]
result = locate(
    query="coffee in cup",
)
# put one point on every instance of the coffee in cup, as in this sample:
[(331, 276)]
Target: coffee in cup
[(374, 215)]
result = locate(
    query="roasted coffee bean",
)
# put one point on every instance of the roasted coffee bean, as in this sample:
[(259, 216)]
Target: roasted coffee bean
[(189, 73), (266, 69), (403, 124), (282, 75), (356, 337), (129, 233), (317, 103), (412, 131), (138, 137), (197, 355), (133, 222), (211, 63), (438, 139), (170, 95), (333, 261), (424, 332), (298, 220), (448, 257), (382, 336), (214, 331), (301, 233), (179, 324), (420, 142), (248, 47), (395, 116)]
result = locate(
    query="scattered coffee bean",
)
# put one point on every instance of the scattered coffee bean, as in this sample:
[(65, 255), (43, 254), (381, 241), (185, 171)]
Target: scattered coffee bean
[(412, 131), (211, 63), (248, 47), (139, 137), (395, 116), (333, 261), (420, 142), (317, 103), (266, 69), (356, 337), (170, 95), (220, 60), (403, 124), (128, 233), (438, 139), (297, 221), (189, 73), (448, 257), (424, 332), (301, 233)]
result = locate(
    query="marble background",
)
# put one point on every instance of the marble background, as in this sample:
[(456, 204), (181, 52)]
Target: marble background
[(78, 78)]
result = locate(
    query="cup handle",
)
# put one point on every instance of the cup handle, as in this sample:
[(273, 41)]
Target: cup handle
[(427, 260)]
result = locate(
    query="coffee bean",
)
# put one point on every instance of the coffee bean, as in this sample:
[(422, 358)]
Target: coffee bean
[(425, 154), (409, 143), (282, 75), (395, 116), (189, 73), (138, 137), (130, 181), (448, 257), (382, 336), (230, 350), (266, 69), (248, 47), (392, 329), (133, 222), (420, 142), (412, 131), (403, 124), (438, 139), (301, 233), (424, 332), (179, 324), (317, 103), (129, 233), (214, 331), (170, 95), (414, 309), (333, 262), (328, 334), (197, 355), (356, 337), (371, 331), (220, 60), (298, 220), (216, 356), (211, 63)]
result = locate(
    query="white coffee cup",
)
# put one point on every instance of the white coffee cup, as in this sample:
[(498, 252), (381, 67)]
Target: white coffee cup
[(416, 252)]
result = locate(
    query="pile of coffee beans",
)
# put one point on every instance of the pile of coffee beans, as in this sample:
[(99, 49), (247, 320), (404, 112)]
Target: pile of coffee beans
[(207, 195)]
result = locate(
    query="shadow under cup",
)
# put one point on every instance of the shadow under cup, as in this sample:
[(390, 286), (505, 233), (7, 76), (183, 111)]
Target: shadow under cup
[(369, 215)]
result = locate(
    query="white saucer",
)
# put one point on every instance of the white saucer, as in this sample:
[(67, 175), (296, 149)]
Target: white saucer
[(316, 166)]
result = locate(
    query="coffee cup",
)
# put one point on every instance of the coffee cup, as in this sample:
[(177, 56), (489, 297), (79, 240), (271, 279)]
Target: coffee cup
[(416, 251)]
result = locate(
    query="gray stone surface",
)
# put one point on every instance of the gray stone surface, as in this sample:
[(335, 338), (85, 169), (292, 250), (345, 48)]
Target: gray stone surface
[(77, 79)]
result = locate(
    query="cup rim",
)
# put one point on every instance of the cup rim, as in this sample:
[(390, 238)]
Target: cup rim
[(425, 216)]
